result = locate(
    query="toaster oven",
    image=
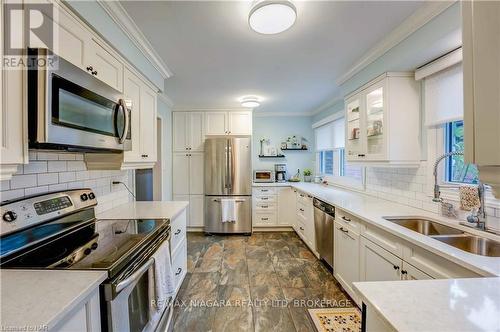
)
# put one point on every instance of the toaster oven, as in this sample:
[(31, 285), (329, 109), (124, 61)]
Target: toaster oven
[(263, 176)]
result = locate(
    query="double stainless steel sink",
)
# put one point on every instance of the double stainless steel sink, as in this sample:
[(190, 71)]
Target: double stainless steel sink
[(454, 237)]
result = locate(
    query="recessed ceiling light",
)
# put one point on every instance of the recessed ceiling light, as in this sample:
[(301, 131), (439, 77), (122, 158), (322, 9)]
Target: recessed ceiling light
[(270, 17), (250, 102)]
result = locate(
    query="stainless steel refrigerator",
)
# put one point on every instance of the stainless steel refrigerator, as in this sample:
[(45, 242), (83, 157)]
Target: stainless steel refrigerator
[(228, 173)]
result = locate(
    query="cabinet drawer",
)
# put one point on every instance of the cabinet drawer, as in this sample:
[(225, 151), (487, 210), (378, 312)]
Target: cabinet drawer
[(264, 207), (264, 191), (384, 239), (265, 198), (347, 220), (304, 210), (265, 219), (301, 228), (178, 231), (304, 198), (179, 263)]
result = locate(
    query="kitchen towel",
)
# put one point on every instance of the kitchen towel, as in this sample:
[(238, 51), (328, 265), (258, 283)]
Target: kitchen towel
[(469, 198), (228, 209), (161, 282)]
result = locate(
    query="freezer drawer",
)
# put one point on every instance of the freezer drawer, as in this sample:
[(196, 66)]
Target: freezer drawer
[(213, 215)]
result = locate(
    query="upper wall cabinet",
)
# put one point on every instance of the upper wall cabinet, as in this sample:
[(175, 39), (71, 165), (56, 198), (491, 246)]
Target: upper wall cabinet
[(106, 67), (481, 63), (188, 131), (229, 123), (383, 121)]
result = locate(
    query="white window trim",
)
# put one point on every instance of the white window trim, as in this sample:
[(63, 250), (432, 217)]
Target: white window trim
[(449, 190)]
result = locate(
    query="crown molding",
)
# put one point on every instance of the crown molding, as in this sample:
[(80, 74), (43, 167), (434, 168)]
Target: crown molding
[(205, 109), (166, 99), (414, 22), (335, 116), (120, 16), (294, 114)]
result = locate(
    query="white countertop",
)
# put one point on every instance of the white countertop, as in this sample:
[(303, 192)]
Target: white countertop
[(271, 184), (436, 305), (145, 210), (372, 210), (43, 297)]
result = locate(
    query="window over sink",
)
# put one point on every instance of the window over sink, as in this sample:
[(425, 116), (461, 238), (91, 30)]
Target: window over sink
[(457, 171)]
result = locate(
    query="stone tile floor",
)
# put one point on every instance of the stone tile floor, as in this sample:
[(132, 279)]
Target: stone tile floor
[(263, 282)]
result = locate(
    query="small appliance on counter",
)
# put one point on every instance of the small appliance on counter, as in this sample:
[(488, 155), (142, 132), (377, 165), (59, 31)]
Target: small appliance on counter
[(280, 170), (263, 176)]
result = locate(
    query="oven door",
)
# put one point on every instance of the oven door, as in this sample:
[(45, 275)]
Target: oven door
[(129, 300), (70, 109)]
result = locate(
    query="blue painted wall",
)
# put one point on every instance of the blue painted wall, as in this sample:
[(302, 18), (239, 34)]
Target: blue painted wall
[(102, 23), (277, 129)]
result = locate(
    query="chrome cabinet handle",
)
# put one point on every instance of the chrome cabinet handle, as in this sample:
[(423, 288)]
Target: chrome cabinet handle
[(346, 219), (135, 276), (177, 232), (179, 270)]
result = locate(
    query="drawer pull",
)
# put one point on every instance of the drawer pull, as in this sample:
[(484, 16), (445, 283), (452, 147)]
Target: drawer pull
[(301, 209), (264, 198), (264, 206), (177, 232), (264, 218), (344, 230), (396, 267), (346, 219), (264, 190), (301, 228), (179, 270), (404, 272), (361, 155), (301, 195)]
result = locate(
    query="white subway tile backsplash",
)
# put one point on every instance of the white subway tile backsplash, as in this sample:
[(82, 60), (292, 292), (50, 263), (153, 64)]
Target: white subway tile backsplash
[(48, 178), (23, 181), (67, 177), (57, 166), (34, 167), (54, 171)]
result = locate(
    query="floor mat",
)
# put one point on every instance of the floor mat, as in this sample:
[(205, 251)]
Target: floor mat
[(336, 319)]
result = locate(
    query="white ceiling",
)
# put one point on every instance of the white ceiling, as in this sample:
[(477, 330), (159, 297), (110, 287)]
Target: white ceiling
[(216, 58)]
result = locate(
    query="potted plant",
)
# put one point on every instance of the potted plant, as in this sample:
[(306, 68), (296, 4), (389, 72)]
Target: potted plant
[(307, 175)]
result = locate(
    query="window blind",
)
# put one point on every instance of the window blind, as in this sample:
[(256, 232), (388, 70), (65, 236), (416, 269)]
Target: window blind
[(330, 136)]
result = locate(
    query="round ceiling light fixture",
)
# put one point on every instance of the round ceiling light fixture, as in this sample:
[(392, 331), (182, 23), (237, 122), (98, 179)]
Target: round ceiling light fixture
[(250, 102), (271, 17)]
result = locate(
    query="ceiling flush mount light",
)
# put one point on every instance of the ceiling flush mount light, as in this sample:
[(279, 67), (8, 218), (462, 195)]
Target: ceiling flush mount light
[(270, 17), (250, 102)]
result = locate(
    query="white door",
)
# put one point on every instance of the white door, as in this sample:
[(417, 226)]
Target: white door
[(216, 123), (377, 264), (240, 123), (148, 124), (132, 93), (410, 272), (184, 198), (180, 168), (106, 67), (180, 129), (196, 209), (196, 131), (346, 255), (196, 173)]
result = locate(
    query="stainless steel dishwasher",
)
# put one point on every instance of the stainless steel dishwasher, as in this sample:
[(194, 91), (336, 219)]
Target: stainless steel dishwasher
[(324, 216)]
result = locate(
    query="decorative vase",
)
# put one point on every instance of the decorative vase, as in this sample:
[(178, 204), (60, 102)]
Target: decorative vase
[(307, 178)]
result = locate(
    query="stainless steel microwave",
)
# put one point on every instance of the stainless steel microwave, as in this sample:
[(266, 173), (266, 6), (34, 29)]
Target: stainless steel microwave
[(263, 176), (70, 109)]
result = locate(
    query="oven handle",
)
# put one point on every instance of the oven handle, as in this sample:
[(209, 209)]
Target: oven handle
[(135, 276), (123, 106)]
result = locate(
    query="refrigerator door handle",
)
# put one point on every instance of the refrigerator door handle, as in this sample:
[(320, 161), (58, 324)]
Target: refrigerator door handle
[(230, 165)]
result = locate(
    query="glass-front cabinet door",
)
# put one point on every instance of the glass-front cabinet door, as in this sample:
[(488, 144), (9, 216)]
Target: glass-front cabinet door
[(375, 122), (354, 132)]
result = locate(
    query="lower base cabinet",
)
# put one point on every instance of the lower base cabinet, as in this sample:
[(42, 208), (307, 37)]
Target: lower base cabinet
[(346, 257), (196, 210), (86, 317), (178, 248)]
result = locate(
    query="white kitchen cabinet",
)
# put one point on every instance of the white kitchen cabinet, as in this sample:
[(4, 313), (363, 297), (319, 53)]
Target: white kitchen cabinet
[(383, 121), (346, 256), (410, 272), (86, 317), (148, 124), (481, 60), (240, 123), (377, 264), (132, 94), (228, 123), (178, 247), (196, 210), (305, 219), (286, 206), (180, 179), (196, 173), (188, 131), (106, 66), (13, 122)]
